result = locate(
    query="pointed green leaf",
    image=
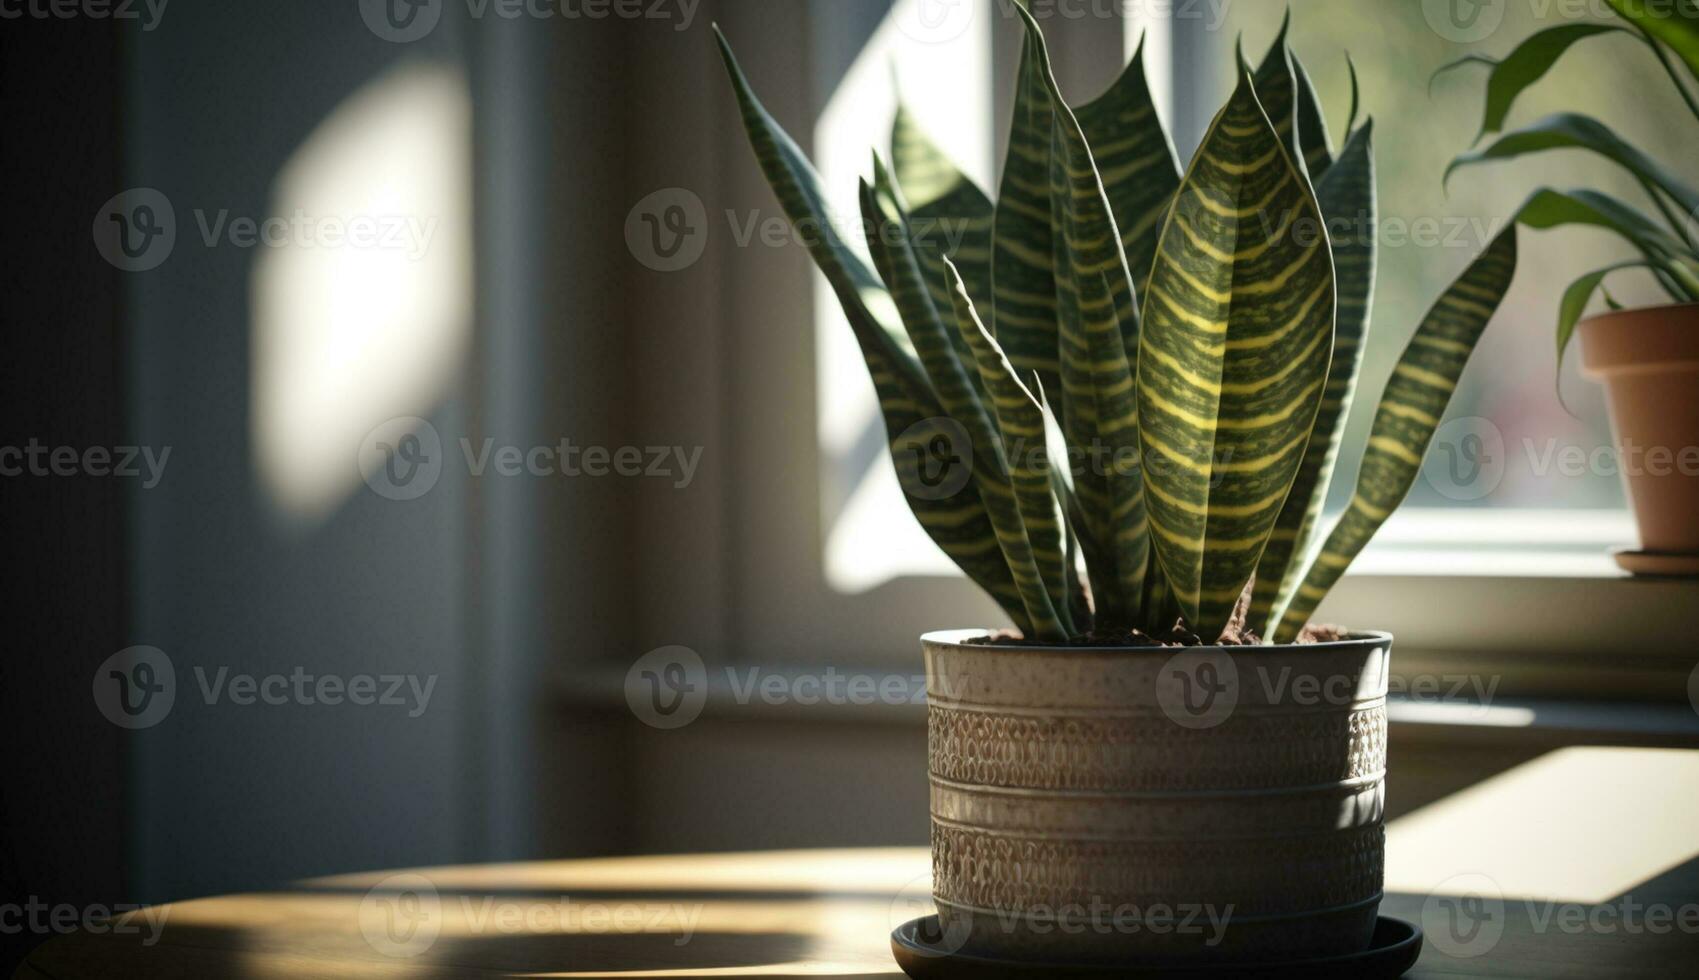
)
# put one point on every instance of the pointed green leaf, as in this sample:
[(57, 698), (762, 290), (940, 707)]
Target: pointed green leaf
[(1667, 255), (1410, 410), (1023, 277), (1135, 159), (1348, 201), (1575, 300), (1096, 312), (1526, 65), (1675, 23), (1277, 90), (1312, 125), (948, 216), (914, 420), (1021, 423), (1237, 335), (1573, 131), (887, 240)]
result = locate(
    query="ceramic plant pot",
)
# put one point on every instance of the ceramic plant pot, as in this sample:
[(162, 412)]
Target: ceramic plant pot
[(1156, 805), (1648, 360)]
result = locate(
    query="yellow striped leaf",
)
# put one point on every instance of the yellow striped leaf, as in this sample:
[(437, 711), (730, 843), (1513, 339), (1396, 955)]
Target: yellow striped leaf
[(915, 421), (1135, 159), (1238, 331), (1097, 315), (1347, 197), (1410, 410)]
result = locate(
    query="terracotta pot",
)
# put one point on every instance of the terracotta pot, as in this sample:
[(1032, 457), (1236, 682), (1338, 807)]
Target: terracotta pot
[(1648, 360), (1157, 805)]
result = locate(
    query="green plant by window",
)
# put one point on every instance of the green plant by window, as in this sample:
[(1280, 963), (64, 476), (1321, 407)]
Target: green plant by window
[(1193, 336), (1668, 245)]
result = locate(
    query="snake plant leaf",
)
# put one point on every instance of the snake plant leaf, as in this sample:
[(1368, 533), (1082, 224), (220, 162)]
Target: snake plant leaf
[(1277, 89), (1529, 63), (1575, 300), (949, 214), (1027, 551), (918, 433), (890, 243), (1135, 159), (1675, 23), (1348, 201), (1021, 423), (1313, 138), (1096, 311), (1573, 131), (1410, 410), (1666, 255), (1237, 334), (1023, 276)]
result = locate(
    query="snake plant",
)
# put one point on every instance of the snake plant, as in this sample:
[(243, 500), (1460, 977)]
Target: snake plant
[(1189, 339), (1667, 246)]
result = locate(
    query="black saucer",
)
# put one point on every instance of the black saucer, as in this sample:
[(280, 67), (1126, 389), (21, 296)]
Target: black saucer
[(1394, 950)]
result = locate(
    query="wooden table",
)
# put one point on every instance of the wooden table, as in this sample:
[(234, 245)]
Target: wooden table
[(1578, 845)]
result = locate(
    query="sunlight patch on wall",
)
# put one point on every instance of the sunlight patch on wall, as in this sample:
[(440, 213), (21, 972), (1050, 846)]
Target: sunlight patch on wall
[(870, 535), (362, 302)]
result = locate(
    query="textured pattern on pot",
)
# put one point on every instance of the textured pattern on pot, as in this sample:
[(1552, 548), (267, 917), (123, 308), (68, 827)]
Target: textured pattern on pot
[(1156, 804)]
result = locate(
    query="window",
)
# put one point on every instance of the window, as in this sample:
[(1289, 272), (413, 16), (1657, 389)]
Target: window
[(1515, 484)]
